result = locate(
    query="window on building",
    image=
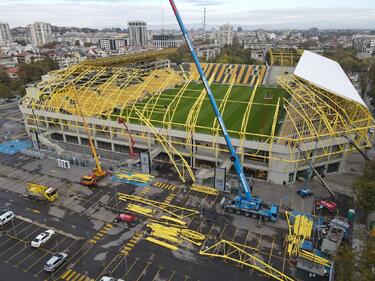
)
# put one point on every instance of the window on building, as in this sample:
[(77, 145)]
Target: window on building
[(104, 145), (121, 148), (57, 136), (333, 167), (72, 139)]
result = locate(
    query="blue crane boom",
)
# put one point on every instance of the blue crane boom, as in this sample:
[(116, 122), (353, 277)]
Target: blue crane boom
[(234, 157)]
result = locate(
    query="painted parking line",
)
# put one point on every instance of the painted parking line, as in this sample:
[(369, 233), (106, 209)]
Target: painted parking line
[(157, 273), (131, 267), (143, 271)]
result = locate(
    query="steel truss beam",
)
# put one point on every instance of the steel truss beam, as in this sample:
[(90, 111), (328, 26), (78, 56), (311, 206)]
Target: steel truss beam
[(173, 210), (229, 250)]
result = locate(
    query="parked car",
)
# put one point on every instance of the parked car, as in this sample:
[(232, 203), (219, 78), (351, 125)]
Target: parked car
[(6, 217), (304, 192), (129, 218), (55, 261), (42, 238), (106, 278)]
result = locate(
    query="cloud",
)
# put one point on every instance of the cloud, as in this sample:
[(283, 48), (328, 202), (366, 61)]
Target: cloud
[(116, 13)]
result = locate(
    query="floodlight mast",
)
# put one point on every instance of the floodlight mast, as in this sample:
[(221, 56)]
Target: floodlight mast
[(234, 157)]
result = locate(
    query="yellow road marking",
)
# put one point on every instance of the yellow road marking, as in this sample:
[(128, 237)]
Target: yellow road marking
[(66, 273)]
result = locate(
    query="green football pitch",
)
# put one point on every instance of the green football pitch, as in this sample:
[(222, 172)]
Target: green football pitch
[(259, 121)]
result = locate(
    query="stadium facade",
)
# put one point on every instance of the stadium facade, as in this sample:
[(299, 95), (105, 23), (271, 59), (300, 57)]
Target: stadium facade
[(277, 119)]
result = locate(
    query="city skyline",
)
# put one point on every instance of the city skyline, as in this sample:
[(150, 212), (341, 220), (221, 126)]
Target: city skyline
[(269, 15)]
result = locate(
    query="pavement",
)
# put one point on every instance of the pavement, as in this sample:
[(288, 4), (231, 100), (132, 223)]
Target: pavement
[(83, 220)]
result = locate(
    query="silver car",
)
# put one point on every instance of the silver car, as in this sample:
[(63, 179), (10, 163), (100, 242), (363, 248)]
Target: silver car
[(55, 261)]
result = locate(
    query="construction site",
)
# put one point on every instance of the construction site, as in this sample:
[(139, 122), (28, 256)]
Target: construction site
[(148, 170)]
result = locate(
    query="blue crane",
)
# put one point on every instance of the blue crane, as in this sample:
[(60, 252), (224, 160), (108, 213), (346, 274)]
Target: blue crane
[(243, 203)]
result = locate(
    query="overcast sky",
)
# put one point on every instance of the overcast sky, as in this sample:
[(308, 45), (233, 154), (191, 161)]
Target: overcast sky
[(249, 13)]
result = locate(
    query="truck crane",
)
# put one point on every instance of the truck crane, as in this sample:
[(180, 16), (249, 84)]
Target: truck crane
[(98, 172), (244, 202)]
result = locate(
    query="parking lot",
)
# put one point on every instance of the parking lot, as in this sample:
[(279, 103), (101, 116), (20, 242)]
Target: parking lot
[(83, 220)]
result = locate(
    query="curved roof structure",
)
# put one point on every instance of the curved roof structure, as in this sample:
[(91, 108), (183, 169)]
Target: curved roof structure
[(327, 75)]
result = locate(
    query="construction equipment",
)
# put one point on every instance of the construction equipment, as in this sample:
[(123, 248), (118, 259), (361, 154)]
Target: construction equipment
[(128, 218), (244, 202), (41, 192), (98, 173), (132, 153)]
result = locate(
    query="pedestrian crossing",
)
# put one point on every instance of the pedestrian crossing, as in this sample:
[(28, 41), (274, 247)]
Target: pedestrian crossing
[(71, 275), (131, 243), (164, 185), (101, 233), (144, 191)]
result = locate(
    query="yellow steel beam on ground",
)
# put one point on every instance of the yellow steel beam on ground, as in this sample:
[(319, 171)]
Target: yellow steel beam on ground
[(204, 189), (180, 222), (231, 251), (176, 211), (161, 243), (140, 210)]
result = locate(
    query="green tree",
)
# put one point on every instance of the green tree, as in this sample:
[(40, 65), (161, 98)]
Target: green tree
[(21, 42), (50, 45), (88, 44), (33, 71), (367, 261), (365, 188), (345, 264)]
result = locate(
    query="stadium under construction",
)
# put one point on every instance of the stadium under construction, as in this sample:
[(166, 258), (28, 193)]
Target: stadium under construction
[(280, 118)]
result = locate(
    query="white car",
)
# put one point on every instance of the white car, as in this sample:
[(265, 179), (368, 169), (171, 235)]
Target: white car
[(6, 217), (106, 278), (42, 238)]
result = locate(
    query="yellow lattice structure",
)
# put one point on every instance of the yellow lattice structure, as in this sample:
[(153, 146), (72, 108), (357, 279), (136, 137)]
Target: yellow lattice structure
[(229, 250), (151, 101)]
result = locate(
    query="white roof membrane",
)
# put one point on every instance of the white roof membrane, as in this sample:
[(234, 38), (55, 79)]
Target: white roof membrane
[(327, 75)]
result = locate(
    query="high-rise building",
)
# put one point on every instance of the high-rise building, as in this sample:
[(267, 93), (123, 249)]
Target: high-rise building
[(40, 33), (167, 40), (225, 35), (138, 33), (112, 44), (5, 32)]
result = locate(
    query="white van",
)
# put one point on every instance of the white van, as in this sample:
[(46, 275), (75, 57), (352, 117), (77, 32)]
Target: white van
[(6, 217)]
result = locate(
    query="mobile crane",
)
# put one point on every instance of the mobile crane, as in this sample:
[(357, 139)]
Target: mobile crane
[(98, 172), (243, 202)]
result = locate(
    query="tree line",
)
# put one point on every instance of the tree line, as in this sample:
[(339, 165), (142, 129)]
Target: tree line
[(28, 73)]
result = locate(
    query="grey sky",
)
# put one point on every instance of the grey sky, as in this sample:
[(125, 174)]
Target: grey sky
[(267, 14)]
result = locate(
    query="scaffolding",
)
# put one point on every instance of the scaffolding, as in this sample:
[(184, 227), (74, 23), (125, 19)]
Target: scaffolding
[(284, 57)]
